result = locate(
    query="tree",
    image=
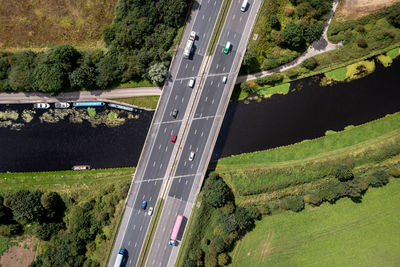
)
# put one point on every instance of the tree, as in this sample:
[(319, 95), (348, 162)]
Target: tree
[(218, 243), (310, 63), (54, 206), (313, 32), (293, 35), (293, 203), (65, 54), (313, 199), (83, 77), (49, 78), (25, 206), (216, 192), (250, 60), (228, 223), (395, 172), (378, 178), (343, 173), (5, 213), (362, 43), (108, 70), (394, 15), (158, 72), (20, 76), (210, 260), (45, 231), (273, 21), (223, 259), (243, 218)]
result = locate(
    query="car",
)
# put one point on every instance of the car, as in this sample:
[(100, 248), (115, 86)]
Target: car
[(144, 204), (150, 212), (224, 79), (227, 48), (81, 167), (175, 113), (173, 139), (191, 82), (41, 105), (61, 105), (191, 156)]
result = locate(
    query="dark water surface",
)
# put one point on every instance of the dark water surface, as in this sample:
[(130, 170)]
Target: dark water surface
[(309, 112), (59, 146)]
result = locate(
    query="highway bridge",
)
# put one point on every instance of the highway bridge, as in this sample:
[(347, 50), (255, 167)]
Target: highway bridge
[(164, 171)]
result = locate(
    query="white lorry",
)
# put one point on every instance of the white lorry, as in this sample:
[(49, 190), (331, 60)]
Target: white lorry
[(189, 44)]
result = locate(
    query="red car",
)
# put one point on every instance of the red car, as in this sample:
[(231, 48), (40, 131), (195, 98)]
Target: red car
[(173, 139)]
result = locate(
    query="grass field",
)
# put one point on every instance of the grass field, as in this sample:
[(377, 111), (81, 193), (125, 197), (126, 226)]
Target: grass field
[(135, 83), (343, 234), (41, 24), (141, 101), (72, 182), (282, 89)]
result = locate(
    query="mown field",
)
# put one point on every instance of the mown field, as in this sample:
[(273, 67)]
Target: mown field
[(343, 234), (42, 24), (141, 101)]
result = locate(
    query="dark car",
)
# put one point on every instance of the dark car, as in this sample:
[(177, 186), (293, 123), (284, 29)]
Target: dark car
[(175, 113), (173, 139)]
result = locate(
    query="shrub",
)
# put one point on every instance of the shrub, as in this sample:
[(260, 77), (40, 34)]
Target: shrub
[(378, 178), (228, 208), (394, 15), (223, 259), (216, 192), (246, 87), (313, 199), (360, 28), (343, 173), (395, 172), (310, 63), (199, 254), (270, 63), (333, 192), (218, 243), (292, 73), (293, 203), (228, 223), (253, 213), (273, 21), (293, 35), (362, 43), (210, 260), (45, 231), (270, 79)]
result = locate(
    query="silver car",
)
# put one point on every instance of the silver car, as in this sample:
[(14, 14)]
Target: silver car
[(61, 105), (41, 105)]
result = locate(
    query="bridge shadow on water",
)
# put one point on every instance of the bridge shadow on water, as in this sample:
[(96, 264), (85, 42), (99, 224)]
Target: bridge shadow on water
[(308, 111)]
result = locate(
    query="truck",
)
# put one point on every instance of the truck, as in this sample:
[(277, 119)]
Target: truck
[(189, 44), (175, 230), (120, 257)]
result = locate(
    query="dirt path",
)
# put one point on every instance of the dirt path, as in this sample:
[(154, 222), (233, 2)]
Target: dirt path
[(79, 95), (19, 256), (352, 9), (318, 47)]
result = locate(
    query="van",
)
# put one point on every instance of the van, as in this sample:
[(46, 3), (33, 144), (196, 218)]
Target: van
[(227, 47), (244, 6), (191, 82)]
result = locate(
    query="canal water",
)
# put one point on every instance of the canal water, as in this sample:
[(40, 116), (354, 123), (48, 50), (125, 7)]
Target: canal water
[(308, 112), (49, 146)]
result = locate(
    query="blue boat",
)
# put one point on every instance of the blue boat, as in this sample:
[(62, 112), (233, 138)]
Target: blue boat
[(88, 104), (120, 107)]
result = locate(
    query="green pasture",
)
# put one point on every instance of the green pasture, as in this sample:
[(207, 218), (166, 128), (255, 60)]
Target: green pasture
[(341, 234)]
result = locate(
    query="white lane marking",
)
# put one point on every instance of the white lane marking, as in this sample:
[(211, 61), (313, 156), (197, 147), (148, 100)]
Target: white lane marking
[(180, 179), (154, 261), (129, 243), (215, 3), (234, 16), (184, 163), (163, 229), (227, 34), (191, 166), (197, 149), (181, 81), (166, 148), (160, 166), (141, 227), (218, 85), (202, 17), (134, 226), (150, 199), (202, 134), (183, 99), (143, 196), (223, 69), (186, 66), (186, 182), (135, 244), (176, 97), (193, 68), (130, 262), (204, 35), (159, 147), (206, 99), (195, 131), (212, 102), (209, 19), (165, 129), (190, 147), (138, 211), (216, 67), (154, 163), (240, 19)]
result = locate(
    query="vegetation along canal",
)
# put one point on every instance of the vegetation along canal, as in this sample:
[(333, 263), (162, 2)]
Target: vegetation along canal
[(57, 139), (308, 111)]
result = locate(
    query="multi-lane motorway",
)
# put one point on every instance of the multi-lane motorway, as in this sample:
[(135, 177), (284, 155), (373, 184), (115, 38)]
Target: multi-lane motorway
[(158, 150), (164, 170)]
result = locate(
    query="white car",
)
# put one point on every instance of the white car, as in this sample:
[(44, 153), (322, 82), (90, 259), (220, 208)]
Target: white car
[(191, 82), (191, 156), (41, 105), (61, 105), (150, 212), (224, 79)]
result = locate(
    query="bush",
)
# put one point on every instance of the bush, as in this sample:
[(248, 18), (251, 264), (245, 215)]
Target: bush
[(273, 22), (378, 178), (210, 260), (46, 230), (157, 73), (270, 79), (223, 259), (310, 63), (270, 63), (228, 223), (216, 192), (293, 35), (333, 192), (394, 15), (343, 173), (228, 208), (293, 203), (395, 172), (313, 199), (292, 73), (362, 43), (218, 243), (247, 88), (360, 28)]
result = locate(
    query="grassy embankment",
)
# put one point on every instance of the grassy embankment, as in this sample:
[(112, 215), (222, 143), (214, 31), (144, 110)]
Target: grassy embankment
[(343, 234), (81, 186), (49, 23), (141, 101), (380, 36)]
